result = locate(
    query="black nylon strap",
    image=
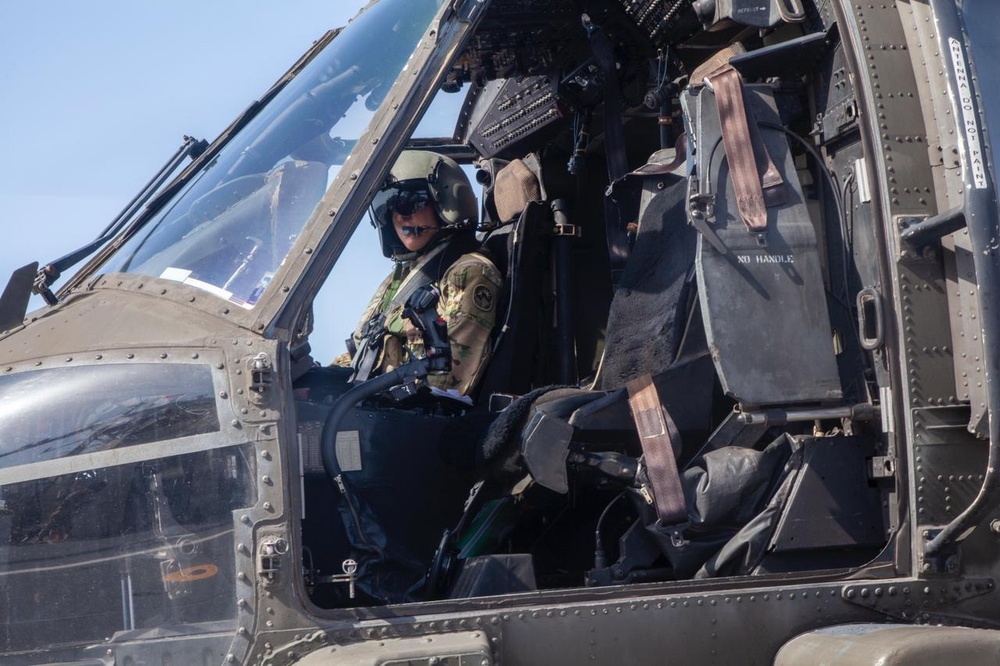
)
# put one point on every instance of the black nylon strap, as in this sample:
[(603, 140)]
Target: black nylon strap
[(366, 355), (614, 133), (614, 141)]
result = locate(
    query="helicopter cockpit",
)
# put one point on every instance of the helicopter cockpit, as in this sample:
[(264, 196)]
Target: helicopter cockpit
[(594, 195), (124, 477), (679, 387), (643, 312)]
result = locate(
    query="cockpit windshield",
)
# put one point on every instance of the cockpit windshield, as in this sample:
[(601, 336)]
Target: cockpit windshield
[(231, 227)]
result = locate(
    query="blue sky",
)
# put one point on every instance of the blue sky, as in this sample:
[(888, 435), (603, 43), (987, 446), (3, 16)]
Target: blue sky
[(96, 97)]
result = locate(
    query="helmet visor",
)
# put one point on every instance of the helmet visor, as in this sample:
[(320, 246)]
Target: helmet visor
[(403, 198)]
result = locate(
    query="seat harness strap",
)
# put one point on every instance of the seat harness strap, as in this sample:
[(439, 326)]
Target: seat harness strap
[(657, 432), (435, 264), (754, 175), (614, 139)]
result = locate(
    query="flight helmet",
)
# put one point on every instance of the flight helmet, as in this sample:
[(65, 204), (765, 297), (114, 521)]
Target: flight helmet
[(423, 178)]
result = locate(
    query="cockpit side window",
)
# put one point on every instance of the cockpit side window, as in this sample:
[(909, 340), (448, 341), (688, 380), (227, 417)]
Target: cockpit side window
[(117, 493), (111, 553), (360, 269), (89, 410)]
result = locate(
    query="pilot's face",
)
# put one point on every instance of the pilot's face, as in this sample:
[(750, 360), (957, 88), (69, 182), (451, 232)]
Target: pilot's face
[(417, 229)]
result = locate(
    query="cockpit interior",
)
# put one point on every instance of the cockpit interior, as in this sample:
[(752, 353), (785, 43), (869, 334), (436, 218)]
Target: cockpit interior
[(676, 390)]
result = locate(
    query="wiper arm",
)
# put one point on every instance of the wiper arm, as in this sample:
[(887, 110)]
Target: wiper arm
[(50, 272)]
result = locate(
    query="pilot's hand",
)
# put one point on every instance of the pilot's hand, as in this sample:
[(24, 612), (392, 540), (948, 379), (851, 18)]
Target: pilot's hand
[(413, 334)]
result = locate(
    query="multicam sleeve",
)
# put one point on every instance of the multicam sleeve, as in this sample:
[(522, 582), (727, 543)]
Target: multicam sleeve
[(470, 294)]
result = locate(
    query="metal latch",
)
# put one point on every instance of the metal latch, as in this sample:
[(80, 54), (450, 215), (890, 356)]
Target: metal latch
[(646, 495), (882, 467), (701, 213), (841, 117), (261, 373), (567, 229), (269, 561)]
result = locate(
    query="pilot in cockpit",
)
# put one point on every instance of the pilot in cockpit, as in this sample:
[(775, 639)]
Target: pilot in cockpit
[(426, 217)]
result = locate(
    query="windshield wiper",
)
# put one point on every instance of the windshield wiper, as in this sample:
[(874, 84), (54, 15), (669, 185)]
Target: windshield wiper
[(17, 293), (50, 272)]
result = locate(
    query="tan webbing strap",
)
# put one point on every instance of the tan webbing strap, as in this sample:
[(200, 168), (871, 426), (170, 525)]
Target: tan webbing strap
[(743, 156), (656, 432), (717, 61), (772, 184)]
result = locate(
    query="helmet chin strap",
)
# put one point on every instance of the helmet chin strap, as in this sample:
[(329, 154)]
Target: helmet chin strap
[(403, 257), (442, 234)]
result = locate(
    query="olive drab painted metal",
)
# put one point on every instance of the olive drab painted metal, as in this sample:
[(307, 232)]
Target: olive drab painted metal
[(181, 483)]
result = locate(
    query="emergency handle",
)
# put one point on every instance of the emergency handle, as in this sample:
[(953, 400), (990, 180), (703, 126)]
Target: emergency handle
[(870, 329), (791, 11)]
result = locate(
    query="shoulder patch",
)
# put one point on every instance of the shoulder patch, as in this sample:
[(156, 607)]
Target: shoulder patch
[(483, 298)]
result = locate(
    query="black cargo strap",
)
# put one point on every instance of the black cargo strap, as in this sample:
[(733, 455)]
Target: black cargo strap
[(756, 181), (657, 433), (433, 267)]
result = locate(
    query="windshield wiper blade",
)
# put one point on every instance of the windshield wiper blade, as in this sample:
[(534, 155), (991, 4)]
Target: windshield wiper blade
[(50, 272), (17, 293)]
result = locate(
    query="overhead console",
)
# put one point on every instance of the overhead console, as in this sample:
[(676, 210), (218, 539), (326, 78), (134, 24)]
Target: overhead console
[(508, 111), (532, 67)]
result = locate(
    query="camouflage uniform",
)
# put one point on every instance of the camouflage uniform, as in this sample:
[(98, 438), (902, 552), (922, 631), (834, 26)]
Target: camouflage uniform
[(470, 291)]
